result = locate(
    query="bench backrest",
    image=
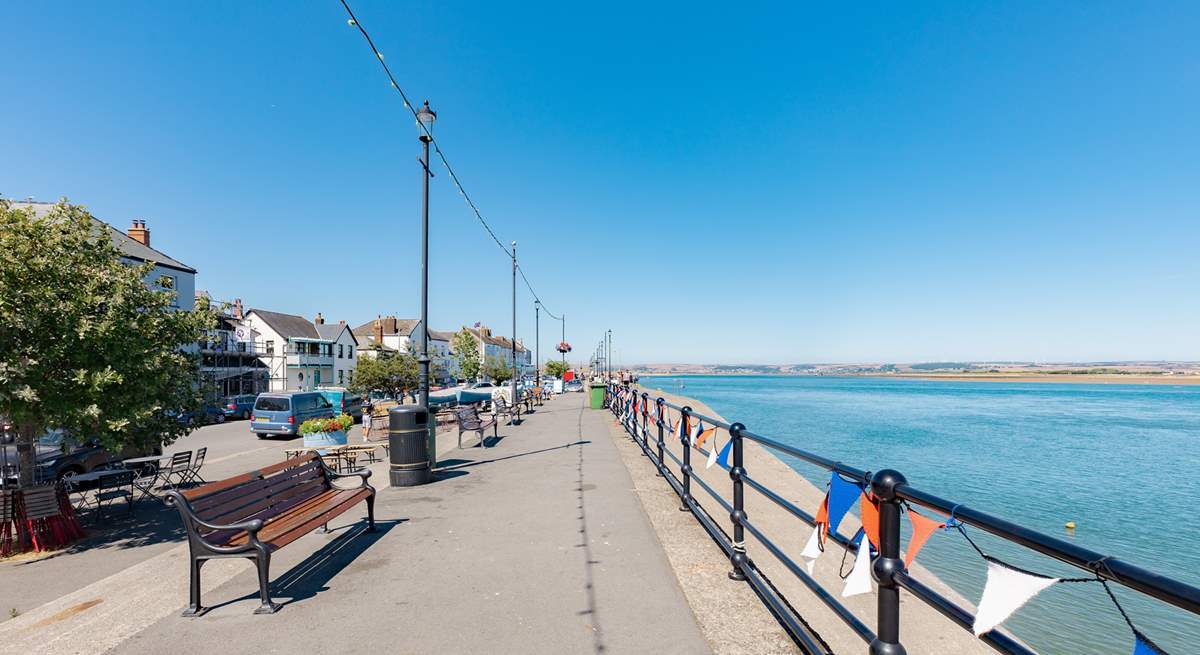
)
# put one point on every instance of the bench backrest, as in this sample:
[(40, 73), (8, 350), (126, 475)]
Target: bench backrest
[(468, 418), (259, 494)]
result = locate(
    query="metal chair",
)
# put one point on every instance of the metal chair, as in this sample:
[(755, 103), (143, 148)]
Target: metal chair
[(181, 464), (193, 474), (500, 407), (110, 487)]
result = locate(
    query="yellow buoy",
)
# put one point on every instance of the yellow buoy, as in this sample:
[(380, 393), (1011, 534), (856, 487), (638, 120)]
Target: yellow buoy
[(1070, 525)]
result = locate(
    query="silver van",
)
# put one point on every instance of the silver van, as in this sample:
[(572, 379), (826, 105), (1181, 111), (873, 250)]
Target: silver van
[(283, 412)]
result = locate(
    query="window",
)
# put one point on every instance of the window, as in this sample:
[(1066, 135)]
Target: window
[(351, 352), (167, 283), (340, 348), (271, 347), (341, 376)]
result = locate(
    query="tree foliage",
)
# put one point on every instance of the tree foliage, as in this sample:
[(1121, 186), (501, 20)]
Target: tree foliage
[(85, 343), (394, 375), (465, 347), (498, 370), (556, 368)]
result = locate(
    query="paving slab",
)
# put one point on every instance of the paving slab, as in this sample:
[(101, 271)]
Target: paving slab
[(535, 545)]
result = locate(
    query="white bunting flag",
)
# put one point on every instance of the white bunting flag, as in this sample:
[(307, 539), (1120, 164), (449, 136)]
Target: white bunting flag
[(696, 433), (813, 549), (712, 454), (1007, 589), (859, 581)]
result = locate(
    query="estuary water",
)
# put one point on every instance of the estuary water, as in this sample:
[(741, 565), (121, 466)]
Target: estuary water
[(1121, 461)]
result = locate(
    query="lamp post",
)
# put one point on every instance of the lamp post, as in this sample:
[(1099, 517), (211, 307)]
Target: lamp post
[(608, 355), (515, 401), (425, 120), (537, 342)]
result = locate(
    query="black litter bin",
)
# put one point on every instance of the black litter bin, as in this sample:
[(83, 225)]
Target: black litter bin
[(408, 446)]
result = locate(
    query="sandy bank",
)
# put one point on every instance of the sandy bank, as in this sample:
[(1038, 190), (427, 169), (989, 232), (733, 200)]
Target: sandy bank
[(923, 630)]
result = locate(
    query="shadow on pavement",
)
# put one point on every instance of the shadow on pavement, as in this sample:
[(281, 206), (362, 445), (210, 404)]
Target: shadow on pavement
[(151, 523), (310, 577), (469, 463)]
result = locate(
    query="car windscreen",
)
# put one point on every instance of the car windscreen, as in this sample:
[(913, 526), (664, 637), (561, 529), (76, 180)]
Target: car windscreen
[(272, 404)]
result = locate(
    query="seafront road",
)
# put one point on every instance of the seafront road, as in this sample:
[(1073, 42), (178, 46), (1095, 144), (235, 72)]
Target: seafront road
[(536, 545)]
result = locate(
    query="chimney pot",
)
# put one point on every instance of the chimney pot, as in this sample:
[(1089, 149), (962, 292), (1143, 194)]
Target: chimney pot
[(138, 232), (319, 320)]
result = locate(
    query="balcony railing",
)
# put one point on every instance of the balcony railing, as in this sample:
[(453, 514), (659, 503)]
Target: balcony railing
[(639, 414), (309, 359)]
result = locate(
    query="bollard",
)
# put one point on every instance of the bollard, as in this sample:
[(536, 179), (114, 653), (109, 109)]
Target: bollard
[(738, 515), (684, 430), (888, 564), (408, 446)]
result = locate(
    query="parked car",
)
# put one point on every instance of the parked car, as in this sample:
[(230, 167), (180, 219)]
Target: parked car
[(58, 455), (282, 413), (343, 401), (481, 385), (239, 406), (573, 385), (209, 414)]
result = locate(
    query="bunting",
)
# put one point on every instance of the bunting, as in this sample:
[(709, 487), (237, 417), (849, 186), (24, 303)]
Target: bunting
[(726, 453), (1006, 591), (841, 497), (869, 510), (922, 528), (712, 455), (859, 580), (813, 549), (1143, 646), (696, 432), (698, 442)]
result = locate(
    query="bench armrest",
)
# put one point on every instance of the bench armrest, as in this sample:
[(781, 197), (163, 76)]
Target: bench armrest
[(363, 473), (251, 527)]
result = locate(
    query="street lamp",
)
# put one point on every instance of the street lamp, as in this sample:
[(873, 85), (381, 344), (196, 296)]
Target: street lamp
[(425, 120)]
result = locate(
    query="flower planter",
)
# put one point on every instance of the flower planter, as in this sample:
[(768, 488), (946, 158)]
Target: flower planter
[(325, 439)]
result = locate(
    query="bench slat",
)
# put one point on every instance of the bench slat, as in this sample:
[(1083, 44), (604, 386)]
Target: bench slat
[(224, 502), (219, 485)]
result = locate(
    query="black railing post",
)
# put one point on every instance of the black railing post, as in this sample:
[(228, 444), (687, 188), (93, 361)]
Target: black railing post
[(888, 564), (738, 515), (659, 402), (686, 469), (645, 420)]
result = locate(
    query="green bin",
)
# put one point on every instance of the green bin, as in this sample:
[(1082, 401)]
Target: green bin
[(597, 395)]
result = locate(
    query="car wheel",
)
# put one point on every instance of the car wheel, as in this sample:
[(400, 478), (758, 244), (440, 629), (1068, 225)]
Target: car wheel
[(220, 418), (260, 435), (246, 415), (69, 472)]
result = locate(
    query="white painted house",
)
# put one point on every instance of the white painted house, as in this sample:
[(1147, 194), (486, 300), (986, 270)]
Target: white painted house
[(302, 355), (168, 274)]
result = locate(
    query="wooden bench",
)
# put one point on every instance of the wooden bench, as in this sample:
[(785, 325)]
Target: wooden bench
[(257, 513)]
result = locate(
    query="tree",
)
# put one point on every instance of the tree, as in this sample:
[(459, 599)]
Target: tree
[(498, 370), (85, 344), (555, 368), (466, 352), (394, 375)]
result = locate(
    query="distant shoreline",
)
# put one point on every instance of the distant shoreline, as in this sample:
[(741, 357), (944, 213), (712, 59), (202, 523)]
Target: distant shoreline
[(1081, 378)]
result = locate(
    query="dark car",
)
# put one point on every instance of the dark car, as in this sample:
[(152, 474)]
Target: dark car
[(208, 415), (239, 406), (58, 455)]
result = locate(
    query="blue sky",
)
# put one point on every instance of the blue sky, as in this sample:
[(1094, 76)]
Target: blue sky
[(715, 183)]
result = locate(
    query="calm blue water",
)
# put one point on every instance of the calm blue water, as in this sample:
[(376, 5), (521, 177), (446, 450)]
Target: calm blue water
[(1119, 460)]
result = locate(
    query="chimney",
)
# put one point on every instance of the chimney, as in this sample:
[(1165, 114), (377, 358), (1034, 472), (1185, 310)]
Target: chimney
[(378, 329), (319, 320), (485, 331), (139, 233), (237, 309), (389, 324)]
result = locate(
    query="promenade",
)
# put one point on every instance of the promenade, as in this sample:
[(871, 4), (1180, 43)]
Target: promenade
[(535, 545)]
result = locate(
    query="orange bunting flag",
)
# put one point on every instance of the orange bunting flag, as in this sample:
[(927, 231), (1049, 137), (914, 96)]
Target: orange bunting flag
[(703, 436), (870, 519), (822, 518), (922, 527)]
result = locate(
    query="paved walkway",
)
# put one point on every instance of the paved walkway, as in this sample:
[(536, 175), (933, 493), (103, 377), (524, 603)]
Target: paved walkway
[(536, 545)]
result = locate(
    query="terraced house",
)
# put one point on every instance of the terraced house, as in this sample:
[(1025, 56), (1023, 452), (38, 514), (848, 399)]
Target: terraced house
[(302, 354)]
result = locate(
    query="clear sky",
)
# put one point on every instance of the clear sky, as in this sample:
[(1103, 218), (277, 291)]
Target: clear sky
[(715, 183)]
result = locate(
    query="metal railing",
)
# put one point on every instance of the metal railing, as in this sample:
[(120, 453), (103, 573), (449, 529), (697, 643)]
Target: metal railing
[(891, 488)]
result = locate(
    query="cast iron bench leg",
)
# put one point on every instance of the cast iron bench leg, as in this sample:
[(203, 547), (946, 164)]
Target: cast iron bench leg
[(195, 608), (371, 513), (264, 589)]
